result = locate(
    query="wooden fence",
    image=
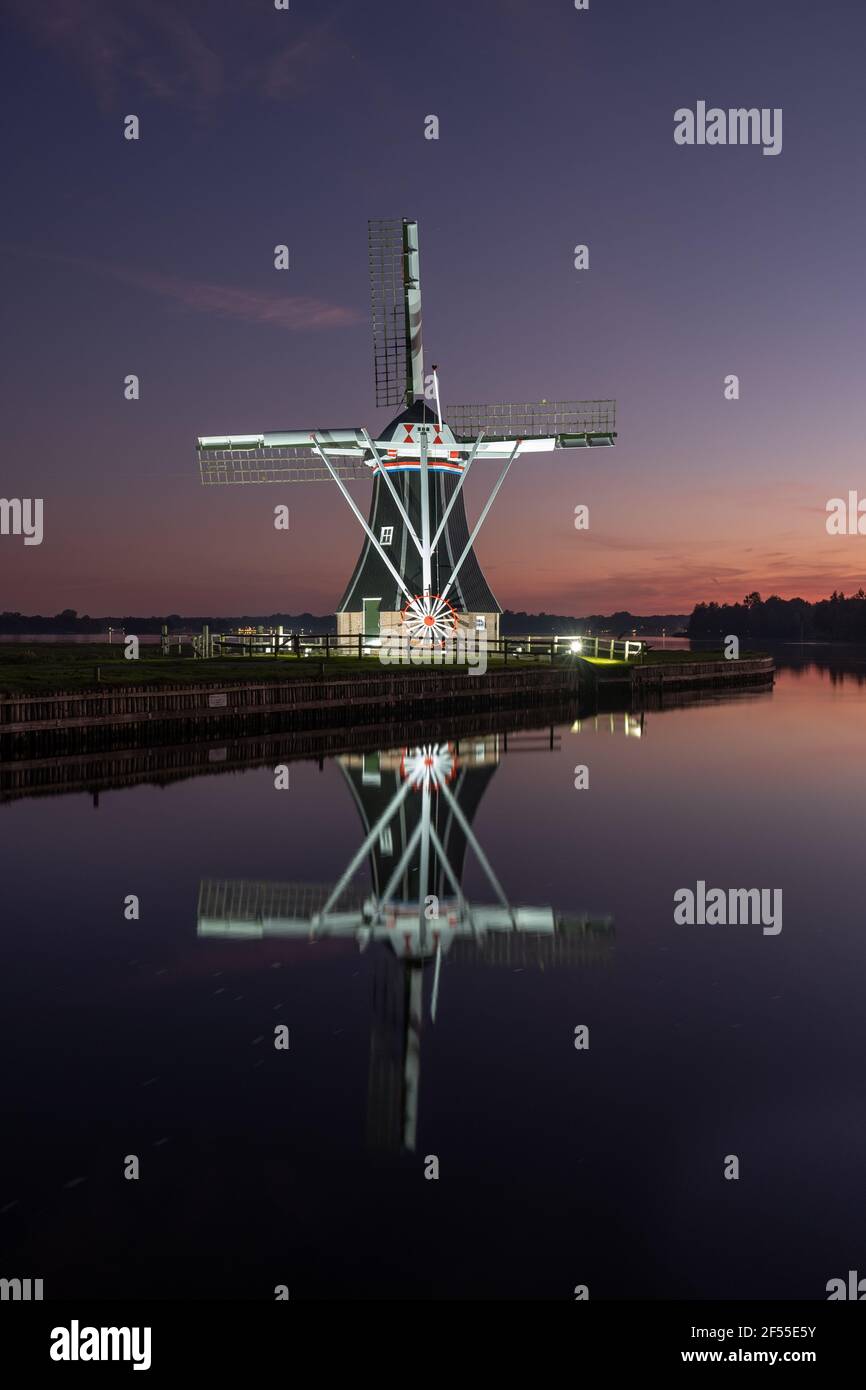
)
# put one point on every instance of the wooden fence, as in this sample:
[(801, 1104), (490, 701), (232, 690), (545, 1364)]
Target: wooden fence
[(390, 690)]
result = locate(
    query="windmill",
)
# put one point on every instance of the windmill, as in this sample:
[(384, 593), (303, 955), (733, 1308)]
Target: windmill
[(417, 570)]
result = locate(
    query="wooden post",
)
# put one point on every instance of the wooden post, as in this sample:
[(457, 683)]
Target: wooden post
[(327, 646), (360, 641)]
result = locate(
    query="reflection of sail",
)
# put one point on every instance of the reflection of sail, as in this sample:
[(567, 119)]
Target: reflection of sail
[(416, 807), (395, 1054)]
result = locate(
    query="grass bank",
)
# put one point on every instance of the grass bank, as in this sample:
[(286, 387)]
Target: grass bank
[(47, 667)]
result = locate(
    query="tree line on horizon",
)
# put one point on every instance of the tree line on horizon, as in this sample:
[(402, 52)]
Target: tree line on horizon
[(836, 618), (69, 622), (512, 624), (619, 624), (833, 619)]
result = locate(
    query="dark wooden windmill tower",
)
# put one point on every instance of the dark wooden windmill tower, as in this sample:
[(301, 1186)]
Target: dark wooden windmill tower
[(417, 570)]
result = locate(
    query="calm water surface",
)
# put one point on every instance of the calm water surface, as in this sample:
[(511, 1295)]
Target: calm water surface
[(305, 1166)]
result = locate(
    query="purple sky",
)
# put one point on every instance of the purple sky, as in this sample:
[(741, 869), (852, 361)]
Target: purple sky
[(261, 127)]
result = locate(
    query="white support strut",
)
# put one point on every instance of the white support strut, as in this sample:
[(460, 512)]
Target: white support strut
[(426, 552), (479, 523), (399, 868), (369, 533), (456, 493), (472, 840), (358, 858), (383, 472)]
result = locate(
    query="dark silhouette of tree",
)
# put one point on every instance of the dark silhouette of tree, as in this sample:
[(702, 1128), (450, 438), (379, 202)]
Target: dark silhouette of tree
[(836, 619)]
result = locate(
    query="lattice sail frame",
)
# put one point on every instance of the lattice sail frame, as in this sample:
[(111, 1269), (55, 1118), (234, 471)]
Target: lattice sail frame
[(395, 292), (572, 423), (292, 456), (286, 464)]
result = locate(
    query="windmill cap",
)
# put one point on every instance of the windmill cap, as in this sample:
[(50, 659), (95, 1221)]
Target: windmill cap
[(417, 413)]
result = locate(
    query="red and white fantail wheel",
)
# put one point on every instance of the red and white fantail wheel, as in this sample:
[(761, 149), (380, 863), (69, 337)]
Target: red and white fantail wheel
[(429, 619)]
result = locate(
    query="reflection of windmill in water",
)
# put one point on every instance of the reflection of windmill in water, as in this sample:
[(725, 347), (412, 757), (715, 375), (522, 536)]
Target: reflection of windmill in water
[(416, 807)]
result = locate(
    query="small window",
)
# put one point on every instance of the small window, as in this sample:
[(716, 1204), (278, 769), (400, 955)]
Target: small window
[(480, 622), (386, 535)]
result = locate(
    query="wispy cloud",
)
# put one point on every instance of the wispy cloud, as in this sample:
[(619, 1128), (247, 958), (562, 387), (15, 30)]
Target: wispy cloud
[(297, 68), (120, 49), (249, 306), (124, 47), (291, 312)]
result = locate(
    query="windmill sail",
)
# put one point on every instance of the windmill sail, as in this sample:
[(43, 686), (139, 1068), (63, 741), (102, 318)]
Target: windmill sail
[(275, 466), (289, 456), (573, 424), (398, 363)]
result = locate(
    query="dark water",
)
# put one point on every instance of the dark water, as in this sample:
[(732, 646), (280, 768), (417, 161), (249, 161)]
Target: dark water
[(557, 1166)]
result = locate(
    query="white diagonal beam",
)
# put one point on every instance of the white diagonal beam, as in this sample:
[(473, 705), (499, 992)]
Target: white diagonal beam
[(388, 890), (426, 553), (394, 493), (479, 852), (452, 877), (370, 535), (387, 815), (456, 493), (480, 522)]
